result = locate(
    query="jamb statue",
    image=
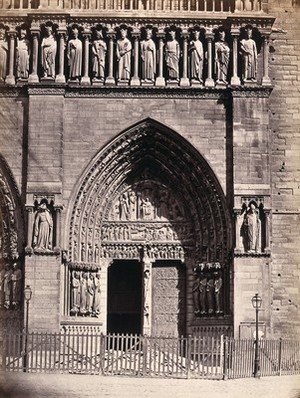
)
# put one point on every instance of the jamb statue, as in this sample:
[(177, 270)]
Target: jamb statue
[(249, 54), (49, 47), (196, 57), (124, 48), (148, 55), (222, 54), (99, 49), (23, 52)]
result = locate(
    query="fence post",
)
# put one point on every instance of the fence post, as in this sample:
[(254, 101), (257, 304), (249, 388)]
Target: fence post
[(144, 342), (2, 352), (102, 353), (279, 355), (188, 355)]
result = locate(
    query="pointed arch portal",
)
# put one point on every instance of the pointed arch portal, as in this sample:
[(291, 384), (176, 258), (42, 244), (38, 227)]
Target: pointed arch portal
[(150, 196)]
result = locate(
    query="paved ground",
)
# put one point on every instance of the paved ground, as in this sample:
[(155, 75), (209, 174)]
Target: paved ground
[(26, 385)]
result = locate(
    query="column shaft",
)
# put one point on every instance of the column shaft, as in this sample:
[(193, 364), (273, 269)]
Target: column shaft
[(60, 78), (209, 82), (33, 78), (184, 81), (266, 81), (110, 80), (235, 80), (160, 81), (10, 78), (85, 78), (135, 81)]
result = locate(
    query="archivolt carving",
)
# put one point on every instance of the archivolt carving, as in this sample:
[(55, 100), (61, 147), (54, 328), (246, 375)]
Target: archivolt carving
[(10, 215), (131, 182)]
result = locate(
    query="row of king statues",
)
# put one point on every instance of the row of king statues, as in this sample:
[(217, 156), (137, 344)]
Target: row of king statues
[(121, 64)]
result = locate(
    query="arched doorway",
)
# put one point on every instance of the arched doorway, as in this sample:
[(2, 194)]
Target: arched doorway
[(149, 196), (11, 247), (124, 297)]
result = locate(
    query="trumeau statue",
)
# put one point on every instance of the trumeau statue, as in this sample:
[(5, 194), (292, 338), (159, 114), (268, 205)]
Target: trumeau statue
[(148, 55), (172, 55), (222, 56), (196, 57), (252, 229), (249, 55), (124, 49), (43, 229), (23, 52), (99, 49), (74, 55), (3, 55), (48, 53)]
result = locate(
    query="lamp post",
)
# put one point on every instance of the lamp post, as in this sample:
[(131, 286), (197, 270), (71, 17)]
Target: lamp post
[(27, 296), (256, 303)]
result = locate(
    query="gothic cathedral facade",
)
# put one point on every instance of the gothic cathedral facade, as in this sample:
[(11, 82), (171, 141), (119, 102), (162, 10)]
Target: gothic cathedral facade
[(148, 166)]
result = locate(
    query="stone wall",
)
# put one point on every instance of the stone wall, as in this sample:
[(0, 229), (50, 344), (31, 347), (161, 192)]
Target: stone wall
[(285, 160), (63, 134)]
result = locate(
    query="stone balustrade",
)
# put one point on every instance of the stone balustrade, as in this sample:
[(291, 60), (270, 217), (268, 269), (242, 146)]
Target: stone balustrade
[(205, 6)]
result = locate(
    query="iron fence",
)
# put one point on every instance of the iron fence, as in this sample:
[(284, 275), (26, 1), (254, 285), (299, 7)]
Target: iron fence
[(202, 357)]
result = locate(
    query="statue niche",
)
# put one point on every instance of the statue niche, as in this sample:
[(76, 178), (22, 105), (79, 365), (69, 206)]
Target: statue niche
[(43, 227)]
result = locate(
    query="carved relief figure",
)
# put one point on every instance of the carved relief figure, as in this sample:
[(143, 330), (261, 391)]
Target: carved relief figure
[(124, 48), (210, 290), (196, 57), (222, 55), (218, 287), (16, 280), (43, 226), (48, 54), (196, 293), (75, 292), (2, 278), (84, 292), (96, 303), (23, 52), (74, 55), (99, 49), (202, 295), (90, 293), (146, 208), (172, 54), (3, 55), (7, 286), (148, 55), (249, 55), (252, 229)]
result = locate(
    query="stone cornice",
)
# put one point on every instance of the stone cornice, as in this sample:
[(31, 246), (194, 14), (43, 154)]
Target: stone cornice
[(184, 19), (140, 92)]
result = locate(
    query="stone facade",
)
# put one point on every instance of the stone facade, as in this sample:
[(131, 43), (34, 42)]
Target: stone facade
[(194, 181)]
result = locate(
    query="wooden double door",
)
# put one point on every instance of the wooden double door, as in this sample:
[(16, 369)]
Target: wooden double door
[(126, 304)]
